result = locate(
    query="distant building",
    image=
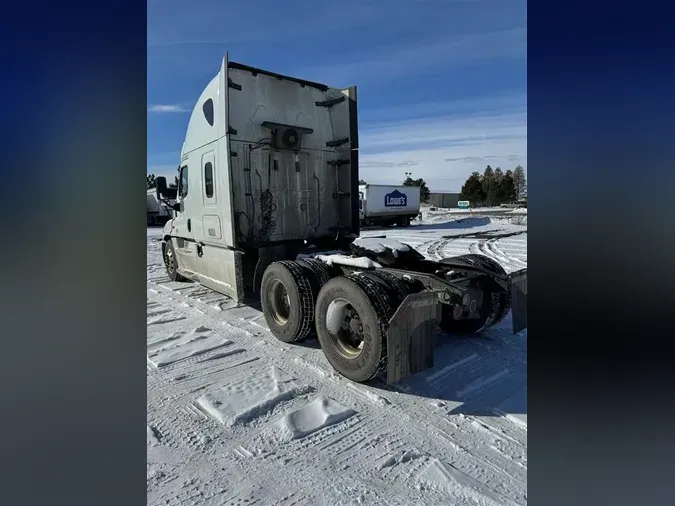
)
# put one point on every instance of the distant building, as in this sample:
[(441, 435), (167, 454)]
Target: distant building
[(445, 200)]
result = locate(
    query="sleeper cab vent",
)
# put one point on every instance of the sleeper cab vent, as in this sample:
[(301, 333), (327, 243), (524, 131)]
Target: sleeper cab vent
[(287, 136)]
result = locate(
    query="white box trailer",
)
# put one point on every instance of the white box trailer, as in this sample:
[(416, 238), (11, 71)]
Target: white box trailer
[(388, 205), (159, 208), (268, 203)]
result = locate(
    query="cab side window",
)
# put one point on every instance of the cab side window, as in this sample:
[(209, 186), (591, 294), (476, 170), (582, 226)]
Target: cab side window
[(183, 182), (208, 180)]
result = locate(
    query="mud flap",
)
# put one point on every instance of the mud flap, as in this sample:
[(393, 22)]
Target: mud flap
[(411, 336), (518, 282)]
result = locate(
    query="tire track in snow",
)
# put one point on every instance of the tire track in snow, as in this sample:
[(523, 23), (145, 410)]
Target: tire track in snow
[(385, 447), (370, 458)]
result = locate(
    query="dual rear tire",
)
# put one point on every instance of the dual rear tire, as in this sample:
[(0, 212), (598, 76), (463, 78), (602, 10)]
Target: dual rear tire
[(348, 314)]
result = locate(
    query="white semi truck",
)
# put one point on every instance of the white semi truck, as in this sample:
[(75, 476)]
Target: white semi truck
[(388, 205), (268, 204)]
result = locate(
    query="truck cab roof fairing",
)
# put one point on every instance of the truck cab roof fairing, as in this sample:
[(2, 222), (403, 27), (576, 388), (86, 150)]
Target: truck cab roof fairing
[(199, 130)]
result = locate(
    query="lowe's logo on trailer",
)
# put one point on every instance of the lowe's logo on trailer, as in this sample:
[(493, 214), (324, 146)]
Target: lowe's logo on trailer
[(395, 199)]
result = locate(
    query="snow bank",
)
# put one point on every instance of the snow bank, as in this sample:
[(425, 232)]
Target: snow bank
[(379, 245), (318, 414), (450, 480), (249, 398)]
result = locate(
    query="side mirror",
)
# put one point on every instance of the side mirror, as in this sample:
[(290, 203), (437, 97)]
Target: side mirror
[(176, 207), (160, 186)]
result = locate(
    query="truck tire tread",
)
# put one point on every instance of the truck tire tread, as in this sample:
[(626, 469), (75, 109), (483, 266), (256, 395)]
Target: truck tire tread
[(383, 304), (305, 318), (399, 288)]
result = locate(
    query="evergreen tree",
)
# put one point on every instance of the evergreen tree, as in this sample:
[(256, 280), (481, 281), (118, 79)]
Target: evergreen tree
[(472, 190), (490, 187), (520, 182), (425, 194), (506, 192), (150, 181)]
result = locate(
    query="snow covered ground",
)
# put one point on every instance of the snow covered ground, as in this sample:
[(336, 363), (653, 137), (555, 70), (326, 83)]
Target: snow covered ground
[(236, 417)]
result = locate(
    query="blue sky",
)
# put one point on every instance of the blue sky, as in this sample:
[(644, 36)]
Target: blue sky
[(442, 83)]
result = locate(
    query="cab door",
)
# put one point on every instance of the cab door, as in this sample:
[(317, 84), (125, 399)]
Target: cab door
[(183, 233)]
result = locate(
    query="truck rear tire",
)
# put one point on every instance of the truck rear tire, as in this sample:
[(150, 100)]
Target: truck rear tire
[(321, 271), (495, 304), (501, 301), (352, 319), (400, 290), (287, 301), (171, 262)]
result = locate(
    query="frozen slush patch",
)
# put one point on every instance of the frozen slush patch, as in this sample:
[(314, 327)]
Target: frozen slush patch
[(449, 480), (360, 262), (182, 345), (318, 414), (153, 439), (251, 397), (379, 245)]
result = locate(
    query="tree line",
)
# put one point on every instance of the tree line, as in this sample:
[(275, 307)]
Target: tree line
[(494, 187)]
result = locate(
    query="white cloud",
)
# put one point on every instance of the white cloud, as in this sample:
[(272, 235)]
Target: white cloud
[(388, 62), (167, 108), (444, 151)]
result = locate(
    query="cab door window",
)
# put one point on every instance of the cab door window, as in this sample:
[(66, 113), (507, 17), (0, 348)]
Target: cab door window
[(183, 182), (208, 180)]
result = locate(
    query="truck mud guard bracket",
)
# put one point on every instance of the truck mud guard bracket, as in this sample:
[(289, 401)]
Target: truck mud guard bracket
[(411, 337)]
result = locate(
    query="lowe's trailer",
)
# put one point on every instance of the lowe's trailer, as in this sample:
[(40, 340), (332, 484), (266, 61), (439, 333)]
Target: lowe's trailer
[(268, 204), (388, 205)]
